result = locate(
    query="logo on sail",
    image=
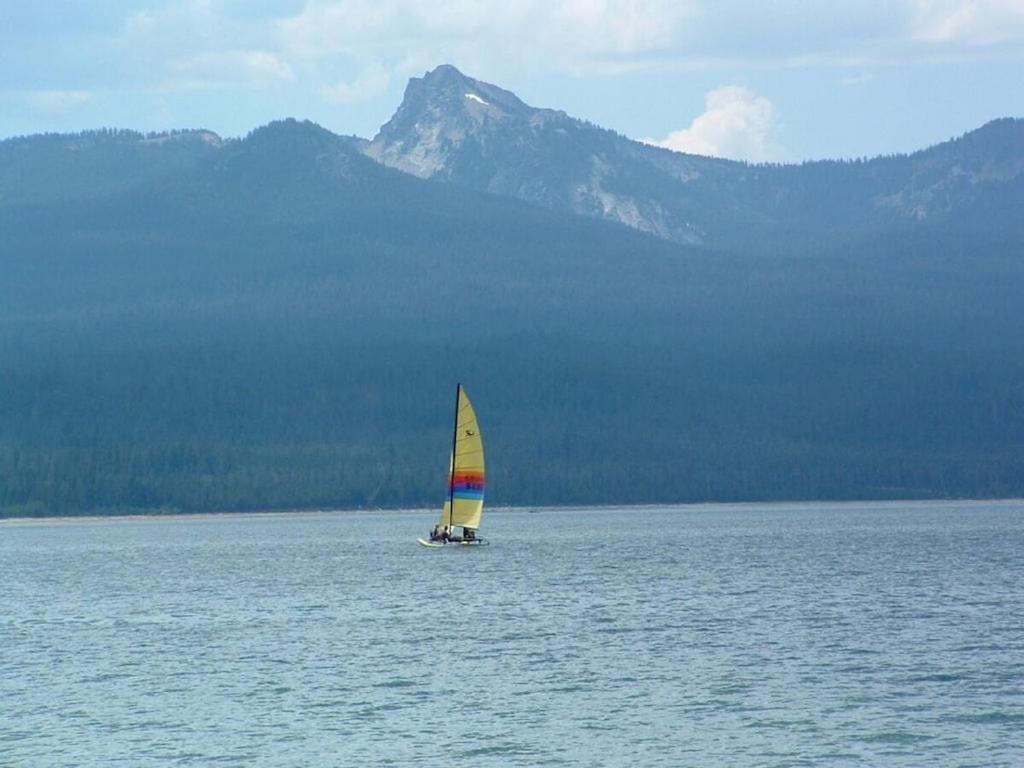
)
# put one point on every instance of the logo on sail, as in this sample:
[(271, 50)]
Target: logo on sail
[(468, 484)]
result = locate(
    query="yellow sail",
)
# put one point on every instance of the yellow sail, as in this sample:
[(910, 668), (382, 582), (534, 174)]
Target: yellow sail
[(466, 479)]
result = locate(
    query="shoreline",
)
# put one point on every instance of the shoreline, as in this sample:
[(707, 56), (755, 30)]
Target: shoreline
[(722, 506)]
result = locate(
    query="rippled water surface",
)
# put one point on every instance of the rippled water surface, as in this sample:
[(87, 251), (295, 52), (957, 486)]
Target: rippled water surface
[(888, 634)]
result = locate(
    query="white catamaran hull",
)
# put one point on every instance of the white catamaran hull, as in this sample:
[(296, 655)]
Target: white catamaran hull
[(439, 544)]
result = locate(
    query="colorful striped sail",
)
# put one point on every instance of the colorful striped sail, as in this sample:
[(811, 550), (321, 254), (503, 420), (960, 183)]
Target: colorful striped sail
[(466, 478)]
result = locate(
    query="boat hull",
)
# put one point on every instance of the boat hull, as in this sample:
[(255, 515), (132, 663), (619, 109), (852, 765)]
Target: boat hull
[(441, 545)]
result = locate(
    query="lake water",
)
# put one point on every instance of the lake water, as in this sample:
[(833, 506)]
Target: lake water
[(746, 635)]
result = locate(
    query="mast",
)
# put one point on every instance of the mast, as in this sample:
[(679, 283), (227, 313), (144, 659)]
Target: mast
[(451, 475)]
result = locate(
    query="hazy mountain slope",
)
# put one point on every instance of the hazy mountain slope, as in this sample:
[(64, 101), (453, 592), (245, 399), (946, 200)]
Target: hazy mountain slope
[(281, 324), (453, 128), (291, 204), (94, 163)]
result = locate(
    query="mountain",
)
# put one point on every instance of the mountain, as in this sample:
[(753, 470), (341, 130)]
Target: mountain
[(455, 129), (278, 321), (54, 167), (295, 221)]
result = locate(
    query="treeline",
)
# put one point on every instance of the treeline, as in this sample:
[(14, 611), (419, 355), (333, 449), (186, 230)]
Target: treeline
[(154, 479), (204, 428)]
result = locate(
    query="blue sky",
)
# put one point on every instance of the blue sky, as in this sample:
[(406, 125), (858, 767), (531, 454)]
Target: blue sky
[(778, 80)]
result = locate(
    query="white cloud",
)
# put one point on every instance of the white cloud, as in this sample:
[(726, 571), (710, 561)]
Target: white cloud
[(389, 40), (354, 51), (57, 101), (367, 84), (140, 23), (563, 34), (189, 45), (858, 78), (617, 26), (173, 24), (329, 28), (978, 23), (736, 123), (492, 38), (236, 67)]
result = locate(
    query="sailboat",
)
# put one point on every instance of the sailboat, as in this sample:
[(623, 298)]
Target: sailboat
[(464, 505)]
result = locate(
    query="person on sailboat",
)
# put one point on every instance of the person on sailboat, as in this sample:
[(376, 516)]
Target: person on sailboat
[(437, 534)]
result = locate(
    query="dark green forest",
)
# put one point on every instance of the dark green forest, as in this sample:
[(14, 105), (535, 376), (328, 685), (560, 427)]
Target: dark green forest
[(280, 324)]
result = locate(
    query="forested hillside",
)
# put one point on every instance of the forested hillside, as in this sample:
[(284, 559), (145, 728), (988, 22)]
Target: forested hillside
[(279, 322)]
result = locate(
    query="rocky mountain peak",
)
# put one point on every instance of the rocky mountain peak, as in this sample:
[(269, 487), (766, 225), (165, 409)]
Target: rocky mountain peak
[(453, 128), (440, 112), (447, 86)]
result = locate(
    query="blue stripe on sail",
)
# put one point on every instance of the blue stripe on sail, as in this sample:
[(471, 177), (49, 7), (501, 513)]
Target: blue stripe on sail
[(468, 495)]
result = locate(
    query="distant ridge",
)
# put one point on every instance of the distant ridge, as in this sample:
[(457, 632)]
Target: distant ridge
[(456, 129)]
